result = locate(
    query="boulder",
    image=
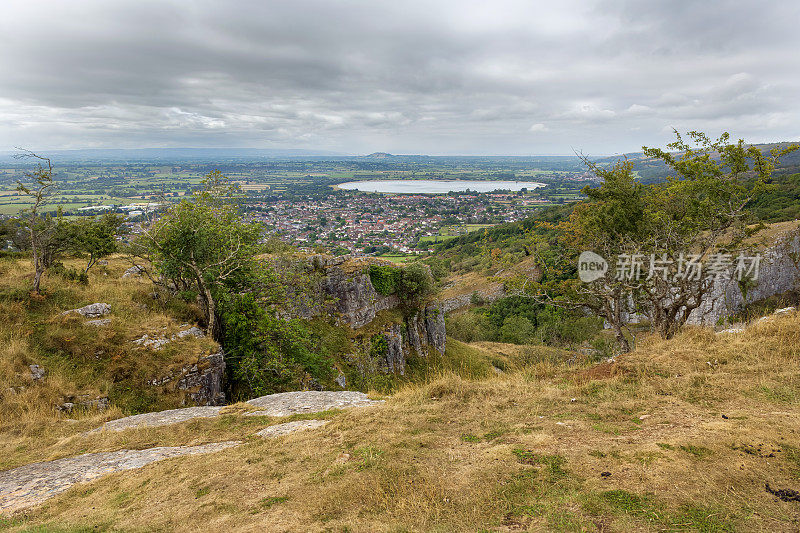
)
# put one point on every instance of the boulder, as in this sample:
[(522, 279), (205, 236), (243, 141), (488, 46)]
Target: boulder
[(84, 401), (133, 271), (37, 372), (95, 310)]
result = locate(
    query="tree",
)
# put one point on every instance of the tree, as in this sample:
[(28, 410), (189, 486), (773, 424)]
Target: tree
[(699, 214), (48, 234), (97, 237), (202, 244)]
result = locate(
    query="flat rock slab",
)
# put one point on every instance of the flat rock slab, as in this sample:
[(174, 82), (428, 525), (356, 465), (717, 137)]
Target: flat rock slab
[(30, 485), (281, 404), (292, 403), (279, 430), (159, 418)]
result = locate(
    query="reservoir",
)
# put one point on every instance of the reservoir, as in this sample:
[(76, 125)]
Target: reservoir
[(436, 186)]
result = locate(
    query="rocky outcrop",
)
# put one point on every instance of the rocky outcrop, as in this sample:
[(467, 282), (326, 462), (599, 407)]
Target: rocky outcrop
[(426, 330), (354, 298), (37, 372), (487, 295), (83, 401), (133, 271), (394, 360), (201, 381), (30, 485), (421, 333), (341, 288), (155, 343), (779, 273)]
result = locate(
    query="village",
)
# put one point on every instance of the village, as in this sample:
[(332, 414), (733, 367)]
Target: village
[(383, 223)]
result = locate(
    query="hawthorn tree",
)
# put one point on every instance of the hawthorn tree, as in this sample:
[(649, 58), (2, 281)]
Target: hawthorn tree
[(202, 244), (96, 237), (697, 214)]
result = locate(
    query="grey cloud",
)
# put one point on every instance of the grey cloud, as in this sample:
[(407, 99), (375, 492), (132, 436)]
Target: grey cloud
[(358, 76)]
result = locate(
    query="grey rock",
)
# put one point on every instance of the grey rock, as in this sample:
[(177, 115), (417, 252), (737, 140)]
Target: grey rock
[(435, 328), (280, 430), (193, 331), (281, 404), (779, 272), (95, 310), (37, 372), (100, 403), (290, 403), (341, 380), (155, 343), (100, 322), (394, 360), (30, 485), (356, 300), (135, 270), (159, 418), (203, 380), (463, 300)]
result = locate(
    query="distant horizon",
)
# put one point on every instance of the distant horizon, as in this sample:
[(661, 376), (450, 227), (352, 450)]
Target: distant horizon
[(303, 152), (310, 152)]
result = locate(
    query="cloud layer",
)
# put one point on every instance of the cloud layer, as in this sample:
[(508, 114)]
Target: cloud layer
[(438, 77)]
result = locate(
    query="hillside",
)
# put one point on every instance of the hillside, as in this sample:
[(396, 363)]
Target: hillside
[(680, 435)]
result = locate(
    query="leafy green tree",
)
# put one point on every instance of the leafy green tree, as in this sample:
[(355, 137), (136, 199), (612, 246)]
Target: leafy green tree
[(415, 283), (97, 237), (517, 330), (700, 211), (202, 244)]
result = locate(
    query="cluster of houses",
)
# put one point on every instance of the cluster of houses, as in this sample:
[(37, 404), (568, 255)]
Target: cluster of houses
[(386, 222)]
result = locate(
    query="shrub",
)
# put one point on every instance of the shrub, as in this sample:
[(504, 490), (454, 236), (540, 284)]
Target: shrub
[(384, 278), (517, 330)]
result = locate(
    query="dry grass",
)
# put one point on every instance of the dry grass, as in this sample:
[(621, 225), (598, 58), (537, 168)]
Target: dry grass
[(81, 361), (521, 450)]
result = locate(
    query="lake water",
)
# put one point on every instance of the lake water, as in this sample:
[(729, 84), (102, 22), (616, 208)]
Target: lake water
[(436, 186)]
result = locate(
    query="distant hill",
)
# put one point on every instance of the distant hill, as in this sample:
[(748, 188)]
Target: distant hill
[(175, 154)]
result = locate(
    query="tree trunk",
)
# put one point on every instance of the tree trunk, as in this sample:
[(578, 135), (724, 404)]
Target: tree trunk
[(37, 276), (212, 325), (211, 311), (37, 259)]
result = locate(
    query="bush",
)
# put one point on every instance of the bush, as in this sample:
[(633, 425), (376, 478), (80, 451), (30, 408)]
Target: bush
[(470, 327), (415, 283), (517, 330), (384, 278)]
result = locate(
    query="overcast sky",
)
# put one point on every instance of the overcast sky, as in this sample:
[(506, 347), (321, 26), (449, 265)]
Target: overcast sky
[(434, 77)]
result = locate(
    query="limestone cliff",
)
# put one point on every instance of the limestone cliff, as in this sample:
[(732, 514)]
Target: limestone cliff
[(341, 289), (779, 272), (418, 334)]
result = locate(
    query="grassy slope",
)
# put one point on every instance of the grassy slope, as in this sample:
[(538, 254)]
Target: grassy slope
[(524, 449), (80, 359)]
